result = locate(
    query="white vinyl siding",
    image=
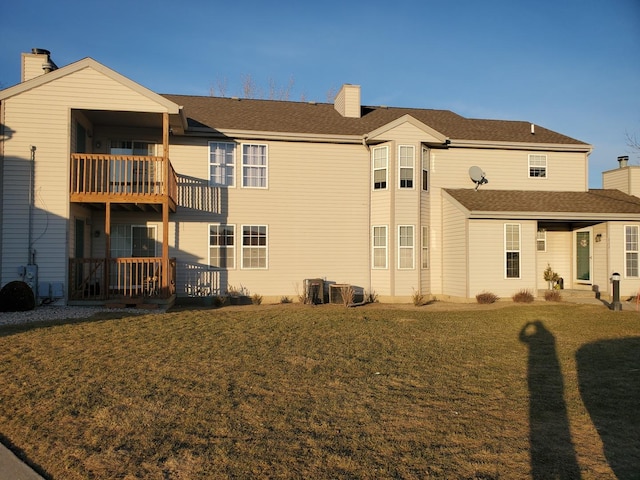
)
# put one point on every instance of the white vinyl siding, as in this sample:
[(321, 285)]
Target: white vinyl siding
[(512, 250), (221, 164), (222, 249), (406, 250), (380, 167), (254, 165), (379, 245), (406, 160), (254, 247), (631, 251), (537, 166)]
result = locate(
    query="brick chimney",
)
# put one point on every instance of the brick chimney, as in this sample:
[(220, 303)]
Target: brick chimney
[(347, 102), (36, 63)]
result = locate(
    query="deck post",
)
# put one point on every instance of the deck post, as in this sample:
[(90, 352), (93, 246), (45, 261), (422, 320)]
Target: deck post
[(165, 206), (107, 249)]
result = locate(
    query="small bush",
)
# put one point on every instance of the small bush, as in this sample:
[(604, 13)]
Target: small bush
[(218, 301), (486, 298), (17, 296), (552, 296), (371, 297), (256, 299), (523, 296), (285, 299), (418, 298)]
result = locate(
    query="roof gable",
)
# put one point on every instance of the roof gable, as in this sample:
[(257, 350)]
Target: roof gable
[(89, 63), (430, 135)]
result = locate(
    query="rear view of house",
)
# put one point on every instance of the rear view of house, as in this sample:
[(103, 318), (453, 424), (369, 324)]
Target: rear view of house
[(112, 192)]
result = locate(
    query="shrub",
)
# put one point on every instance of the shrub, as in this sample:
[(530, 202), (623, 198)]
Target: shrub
[(523, 296), (371, 297), (417, 298), (17, 296), (285, 299), (552, 296), (486, 298), (256, 299), (348, 295)]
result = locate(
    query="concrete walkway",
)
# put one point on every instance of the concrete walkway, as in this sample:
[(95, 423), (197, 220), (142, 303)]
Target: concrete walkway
[(11, 467)]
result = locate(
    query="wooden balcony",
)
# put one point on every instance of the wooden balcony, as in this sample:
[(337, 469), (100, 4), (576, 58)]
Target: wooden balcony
[(101, 279), (124, 179)]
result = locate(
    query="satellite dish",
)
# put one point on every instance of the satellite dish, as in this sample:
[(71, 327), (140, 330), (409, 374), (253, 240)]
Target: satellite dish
[(477, 176)]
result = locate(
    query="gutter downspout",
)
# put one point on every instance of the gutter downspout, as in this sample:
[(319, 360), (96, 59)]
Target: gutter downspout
[(366, 146), (32, 172)]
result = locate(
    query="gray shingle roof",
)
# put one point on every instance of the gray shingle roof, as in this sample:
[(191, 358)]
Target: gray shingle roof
[(597, 201), (321, 118)]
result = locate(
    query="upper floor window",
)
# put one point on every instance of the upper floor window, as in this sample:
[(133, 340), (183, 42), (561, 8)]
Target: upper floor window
[(425, 169), (512, 250), (380, 167), (538, 166), (222, 249), (405, 165), (254, 165), (541, 240), (221, 164), (631, 250)]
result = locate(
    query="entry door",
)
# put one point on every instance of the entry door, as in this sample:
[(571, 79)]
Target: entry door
[(583, 255)]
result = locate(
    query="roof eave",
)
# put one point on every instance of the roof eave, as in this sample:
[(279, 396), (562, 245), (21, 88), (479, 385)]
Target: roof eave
[(555, 216), (553, 147), (276, 136)]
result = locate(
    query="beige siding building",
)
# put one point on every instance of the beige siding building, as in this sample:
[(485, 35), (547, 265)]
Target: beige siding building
[(113, 193)]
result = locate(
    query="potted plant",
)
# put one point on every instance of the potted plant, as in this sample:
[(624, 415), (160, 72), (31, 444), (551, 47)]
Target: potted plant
[(550, 276)]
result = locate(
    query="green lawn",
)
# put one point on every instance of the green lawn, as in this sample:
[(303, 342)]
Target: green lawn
[(294, 391)]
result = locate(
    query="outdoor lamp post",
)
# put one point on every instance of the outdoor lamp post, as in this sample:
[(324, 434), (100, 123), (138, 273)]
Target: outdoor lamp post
[(615, 279)]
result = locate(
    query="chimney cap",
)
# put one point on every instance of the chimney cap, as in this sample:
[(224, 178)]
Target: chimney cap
[(40, 51)]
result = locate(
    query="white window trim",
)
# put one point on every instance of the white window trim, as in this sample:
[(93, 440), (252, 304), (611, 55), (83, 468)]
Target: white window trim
[(519, 250), (266, 165), (265, 247), (385, 168), (637, 251), (546, 166), (385, 247), (542, 231), (424, 248), (232, 164), (401, 167), (209, 246), (412, 247)]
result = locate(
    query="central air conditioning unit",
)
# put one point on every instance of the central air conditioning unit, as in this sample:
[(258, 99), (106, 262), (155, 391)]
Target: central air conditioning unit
[(314, 291)]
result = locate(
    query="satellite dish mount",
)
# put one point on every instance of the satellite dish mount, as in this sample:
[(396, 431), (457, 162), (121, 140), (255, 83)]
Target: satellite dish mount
[(477, 176)]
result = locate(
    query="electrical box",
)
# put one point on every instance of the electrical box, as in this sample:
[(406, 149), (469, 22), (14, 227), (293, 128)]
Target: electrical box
[(31, 278), (44, 290), (57, 290)]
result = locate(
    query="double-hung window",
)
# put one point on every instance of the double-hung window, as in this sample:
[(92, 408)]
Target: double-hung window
[(380, 166), (425, 169), (405, 247), (631, 250), (537, 166), (512, 250), (405, 165), (425, 247), (379, 242), (254, 246), (541, 240), (221, 164), (254, 165), (222, 249)]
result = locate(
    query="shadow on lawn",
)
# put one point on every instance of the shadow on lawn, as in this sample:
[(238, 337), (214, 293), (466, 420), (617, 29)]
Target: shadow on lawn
[(552, 451), (609, 377)]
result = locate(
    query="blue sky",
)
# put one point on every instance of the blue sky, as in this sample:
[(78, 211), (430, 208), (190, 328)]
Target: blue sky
[(569, 65)]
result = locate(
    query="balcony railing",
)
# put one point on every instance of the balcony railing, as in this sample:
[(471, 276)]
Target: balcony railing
[(99, 178), (141, 277)]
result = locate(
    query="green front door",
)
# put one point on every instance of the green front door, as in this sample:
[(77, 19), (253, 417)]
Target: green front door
[(583, 256)]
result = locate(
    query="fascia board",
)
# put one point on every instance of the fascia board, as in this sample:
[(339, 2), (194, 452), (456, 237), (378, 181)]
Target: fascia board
[(554, 147), (557, 216), (279, 136)]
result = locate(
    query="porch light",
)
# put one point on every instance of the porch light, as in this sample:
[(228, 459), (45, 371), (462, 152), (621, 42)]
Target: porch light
[(598, 237)]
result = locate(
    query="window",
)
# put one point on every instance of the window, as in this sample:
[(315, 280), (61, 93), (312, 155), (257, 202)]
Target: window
[(405, 165), (379, 243), (425, 247), (512, 250), (133, 241), (631, 250), (425, 169), (380, 160), (405, 247), (254, 166), (221, 164), (132, 176), (222, 250), (541, 240), (254, 246), (538, 166)]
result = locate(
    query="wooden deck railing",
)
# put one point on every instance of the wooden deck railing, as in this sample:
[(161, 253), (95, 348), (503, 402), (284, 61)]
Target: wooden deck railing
[(98, 177), (127, 278)]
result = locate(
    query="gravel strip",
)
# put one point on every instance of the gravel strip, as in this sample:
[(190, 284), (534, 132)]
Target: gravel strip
[(53, 312)]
